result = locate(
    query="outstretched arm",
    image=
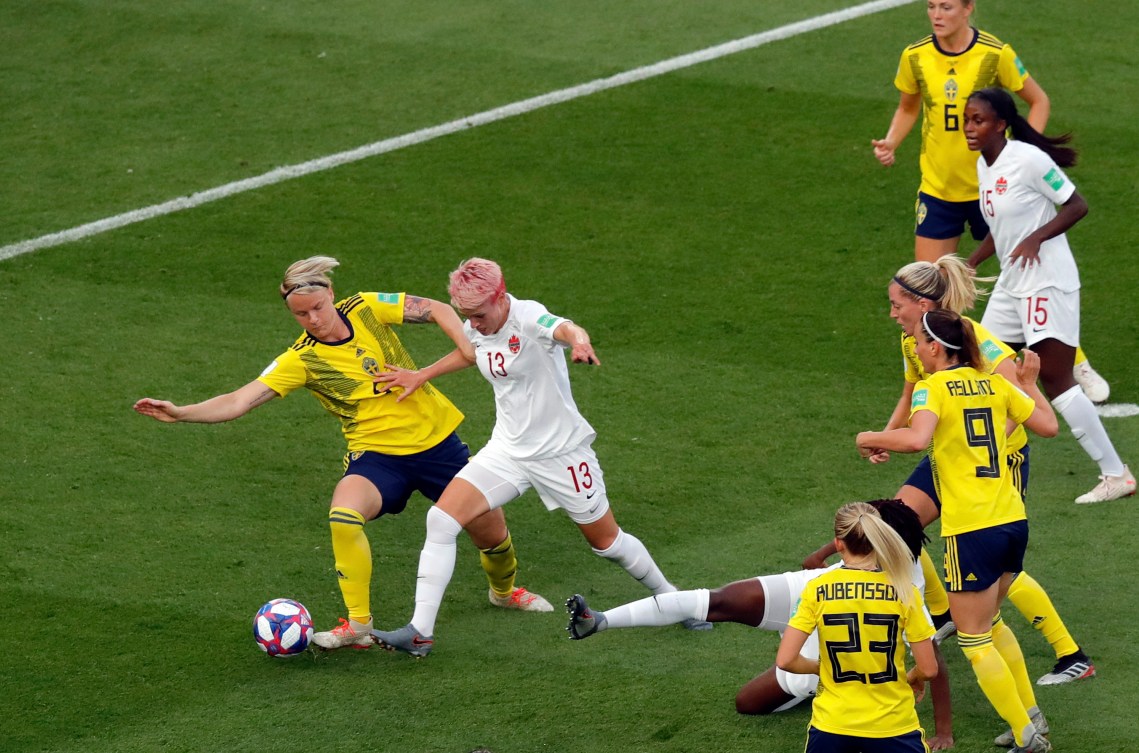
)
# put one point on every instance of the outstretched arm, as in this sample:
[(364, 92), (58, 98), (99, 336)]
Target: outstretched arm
[(213, 411), (578, 341), (913, 438)]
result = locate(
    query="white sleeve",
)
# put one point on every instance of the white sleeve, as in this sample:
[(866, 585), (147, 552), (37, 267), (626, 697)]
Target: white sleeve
[(1050, 180)]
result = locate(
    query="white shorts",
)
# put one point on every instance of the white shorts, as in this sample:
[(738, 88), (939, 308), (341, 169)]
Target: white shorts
[(781, 594), (572, 481), (1048, 313)]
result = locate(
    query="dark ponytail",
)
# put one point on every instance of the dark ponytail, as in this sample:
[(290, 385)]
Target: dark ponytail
[(1004, 107)]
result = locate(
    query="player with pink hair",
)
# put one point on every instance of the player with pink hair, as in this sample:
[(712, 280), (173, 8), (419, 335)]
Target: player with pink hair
[(540, 441)]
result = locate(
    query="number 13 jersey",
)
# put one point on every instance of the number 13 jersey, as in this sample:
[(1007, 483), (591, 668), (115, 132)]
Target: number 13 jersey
[(526, 366)]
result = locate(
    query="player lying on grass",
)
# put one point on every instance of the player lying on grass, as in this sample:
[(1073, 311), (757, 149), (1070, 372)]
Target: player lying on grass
[(766, 602)]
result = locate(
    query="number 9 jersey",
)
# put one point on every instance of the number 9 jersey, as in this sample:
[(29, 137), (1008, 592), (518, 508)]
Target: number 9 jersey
[(944, 81), (969, 447)]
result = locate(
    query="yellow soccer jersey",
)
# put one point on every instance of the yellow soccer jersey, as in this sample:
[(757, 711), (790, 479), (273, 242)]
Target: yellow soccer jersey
[(948, 168), (862, 674), (969, 449), (993, 350), (340, 376)]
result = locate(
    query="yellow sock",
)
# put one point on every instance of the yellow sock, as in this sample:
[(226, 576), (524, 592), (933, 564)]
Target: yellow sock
[(1081, 356), (996, 680), (501, 565), (1032, 600), (935, 596), (353, 561), (1004, 640)]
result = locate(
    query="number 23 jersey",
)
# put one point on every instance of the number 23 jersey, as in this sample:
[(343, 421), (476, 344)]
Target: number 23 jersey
[(862, 674), (536, 413)]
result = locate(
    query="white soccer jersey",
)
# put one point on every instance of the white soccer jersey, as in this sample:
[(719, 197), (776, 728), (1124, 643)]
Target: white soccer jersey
[(1019, 194), (536, 414)]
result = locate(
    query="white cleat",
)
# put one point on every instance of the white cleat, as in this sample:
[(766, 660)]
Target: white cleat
[(1109, 488), (348, 633), (1094, 386), (521, 599)]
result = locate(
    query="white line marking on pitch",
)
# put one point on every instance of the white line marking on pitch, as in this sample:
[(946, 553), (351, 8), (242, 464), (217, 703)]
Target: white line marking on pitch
[(1118, 410), (418, 137)]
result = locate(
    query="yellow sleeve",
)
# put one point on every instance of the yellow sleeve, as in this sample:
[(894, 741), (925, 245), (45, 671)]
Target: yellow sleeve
[(925, 398), (1010, 71), (388, 307), (994, 350), (904, 80), (1020, 405), (911, 364), (285, 374), (918, 626), (805, 616)]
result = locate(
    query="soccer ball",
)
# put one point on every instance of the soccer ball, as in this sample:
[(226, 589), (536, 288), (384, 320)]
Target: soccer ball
[(282, 627)]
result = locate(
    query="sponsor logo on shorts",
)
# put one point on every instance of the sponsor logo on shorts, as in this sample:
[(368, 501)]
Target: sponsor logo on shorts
[(1054, 179), (1002, 186), (514, 344), (923, 210), (547, 320), (920, 398), (387, 297)]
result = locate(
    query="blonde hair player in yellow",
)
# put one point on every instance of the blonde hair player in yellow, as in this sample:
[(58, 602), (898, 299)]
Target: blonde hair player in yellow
[(949, 283), (861, 611), (936, 75), (395, 447), (961, 412)]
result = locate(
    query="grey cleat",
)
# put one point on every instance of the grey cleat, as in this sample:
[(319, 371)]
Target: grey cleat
[(1038, 743), (694, 624), (583, 621), (1006, 740), (407, 639)]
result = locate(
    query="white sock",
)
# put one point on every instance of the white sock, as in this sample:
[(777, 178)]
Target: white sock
[(656, 611), (1087, 428), (436, 565), (628, 552)]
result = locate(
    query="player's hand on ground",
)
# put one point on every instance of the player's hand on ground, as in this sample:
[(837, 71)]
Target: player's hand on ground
[(940, 742), (883, 152), (406, 379), (160, 410)]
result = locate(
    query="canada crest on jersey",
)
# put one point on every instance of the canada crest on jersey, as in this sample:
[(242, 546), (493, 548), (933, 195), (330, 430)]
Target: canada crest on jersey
[(514, 344), (950, 91), (1002, 186)]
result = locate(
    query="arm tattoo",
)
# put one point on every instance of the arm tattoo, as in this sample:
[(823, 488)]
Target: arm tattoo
[(416, 310), (262, 397)]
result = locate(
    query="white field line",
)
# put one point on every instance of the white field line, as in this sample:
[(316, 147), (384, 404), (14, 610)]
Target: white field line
[(289, 172), (1118, 410)]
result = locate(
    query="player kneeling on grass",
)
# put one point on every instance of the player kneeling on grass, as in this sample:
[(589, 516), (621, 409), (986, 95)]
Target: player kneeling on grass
[(540, 441), (860, 611), (394, 447)]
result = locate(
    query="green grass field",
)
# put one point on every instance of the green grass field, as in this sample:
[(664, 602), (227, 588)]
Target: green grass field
[(723, 232)]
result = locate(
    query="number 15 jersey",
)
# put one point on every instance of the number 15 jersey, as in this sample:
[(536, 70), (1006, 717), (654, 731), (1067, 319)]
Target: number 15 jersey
[(536, 413)]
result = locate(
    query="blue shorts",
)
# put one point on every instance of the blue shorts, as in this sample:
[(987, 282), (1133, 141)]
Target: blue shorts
[(829, 742), (977, 559), (397, 476), (939, 219), (922, 476)]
